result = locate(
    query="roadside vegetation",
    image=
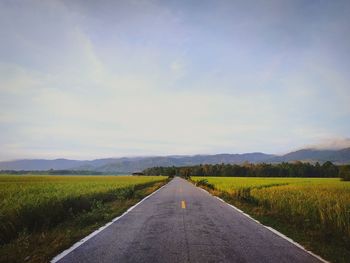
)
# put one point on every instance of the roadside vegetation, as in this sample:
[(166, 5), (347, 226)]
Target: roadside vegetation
[(42, 215), (313, 211)]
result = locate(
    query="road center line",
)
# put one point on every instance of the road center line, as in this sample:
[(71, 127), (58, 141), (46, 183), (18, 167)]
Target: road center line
[(183, 204)]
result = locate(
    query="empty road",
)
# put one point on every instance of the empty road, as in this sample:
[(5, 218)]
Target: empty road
[(182, 223)]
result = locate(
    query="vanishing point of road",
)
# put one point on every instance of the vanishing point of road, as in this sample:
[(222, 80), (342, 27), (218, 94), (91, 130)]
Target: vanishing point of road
[(182, 223)]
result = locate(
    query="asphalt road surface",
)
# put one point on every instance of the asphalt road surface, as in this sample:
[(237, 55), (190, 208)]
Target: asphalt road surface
[(182, 223)]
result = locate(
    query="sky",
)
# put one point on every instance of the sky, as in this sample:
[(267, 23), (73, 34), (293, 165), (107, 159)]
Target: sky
[(91, 79)]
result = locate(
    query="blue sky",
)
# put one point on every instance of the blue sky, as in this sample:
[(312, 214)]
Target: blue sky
[(90, 79)]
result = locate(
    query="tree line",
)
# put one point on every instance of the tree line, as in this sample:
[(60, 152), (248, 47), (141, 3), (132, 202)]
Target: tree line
[(297, 169)]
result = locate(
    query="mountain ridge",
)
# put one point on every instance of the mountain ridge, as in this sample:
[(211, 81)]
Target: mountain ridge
[(131, 164)]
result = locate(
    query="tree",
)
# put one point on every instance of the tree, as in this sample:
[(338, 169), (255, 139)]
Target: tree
[(329, 169), (344, 172)]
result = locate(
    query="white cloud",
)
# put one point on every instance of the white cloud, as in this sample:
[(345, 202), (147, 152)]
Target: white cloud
[(332, 143)]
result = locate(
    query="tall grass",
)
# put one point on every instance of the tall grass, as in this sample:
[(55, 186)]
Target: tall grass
[(31, 203), (325, 206), (316, 203)]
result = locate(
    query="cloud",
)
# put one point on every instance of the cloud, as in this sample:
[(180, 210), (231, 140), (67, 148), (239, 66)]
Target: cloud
[(332, 144)]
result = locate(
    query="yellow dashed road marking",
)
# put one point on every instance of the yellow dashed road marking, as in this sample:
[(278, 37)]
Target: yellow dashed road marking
[(183, 204)]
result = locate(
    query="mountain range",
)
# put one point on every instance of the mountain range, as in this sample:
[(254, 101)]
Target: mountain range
[(132, 164)]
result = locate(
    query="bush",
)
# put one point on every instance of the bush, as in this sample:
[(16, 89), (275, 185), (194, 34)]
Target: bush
[(205, 183)]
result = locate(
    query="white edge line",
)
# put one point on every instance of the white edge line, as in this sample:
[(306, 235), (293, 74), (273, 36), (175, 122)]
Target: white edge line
[(82, 241), (269, 228)]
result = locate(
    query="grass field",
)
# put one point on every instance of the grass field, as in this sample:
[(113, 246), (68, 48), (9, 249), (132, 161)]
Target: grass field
[(56, 211), (315, 212)]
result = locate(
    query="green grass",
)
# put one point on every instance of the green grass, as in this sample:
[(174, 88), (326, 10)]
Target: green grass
[(42, 215), (313, 211)]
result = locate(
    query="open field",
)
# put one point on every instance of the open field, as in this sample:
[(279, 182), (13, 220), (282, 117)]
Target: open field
[(32, 208), (315, 212)]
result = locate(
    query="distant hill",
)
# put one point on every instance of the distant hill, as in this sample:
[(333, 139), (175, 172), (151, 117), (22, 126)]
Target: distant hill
[(129, 165), (313, 155), (137, 164), (39, 164)]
